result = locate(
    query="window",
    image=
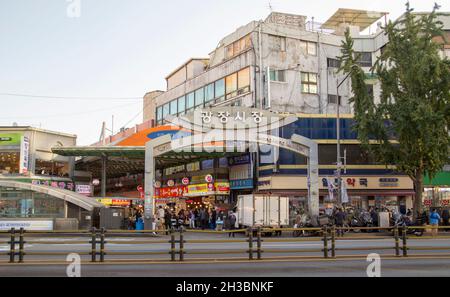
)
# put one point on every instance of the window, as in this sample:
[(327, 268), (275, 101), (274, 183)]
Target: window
[(159, 113), (182, 105), (231, 85), (190, 102), (199, 97), (209, 92), (174, 107), (277, 75), (308, 48), (332, 99), (219, 88), (278, 43), (309, 83), (364, 59), (166, 110), (207, 164), (333, 63), (237, 47), (244, 80)]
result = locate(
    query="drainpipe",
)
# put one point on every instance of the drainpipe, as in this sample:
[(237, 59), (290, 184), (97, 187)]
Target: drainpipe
[(261, 93)]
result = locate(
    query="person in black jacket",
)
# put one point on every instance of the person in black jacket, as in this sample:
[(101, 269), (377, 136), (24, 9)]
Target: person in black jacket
[(445, 218)]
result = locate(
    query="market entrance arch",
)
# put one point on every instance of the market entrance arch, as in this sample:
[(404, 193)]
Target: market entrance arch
[(210, 137)]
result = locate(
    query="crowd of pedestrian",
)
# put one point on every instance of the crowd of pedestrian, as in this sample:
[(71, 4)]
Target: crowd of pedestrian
[(199, 218)]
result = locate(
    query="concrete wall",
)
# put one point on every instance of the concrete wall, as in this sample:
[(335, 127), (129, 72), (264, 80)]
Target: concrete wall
[(149, 105)]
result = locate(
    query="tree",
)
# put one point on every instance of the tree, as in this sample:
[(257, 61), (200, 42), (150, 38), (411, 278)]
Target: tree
[(409, 127)]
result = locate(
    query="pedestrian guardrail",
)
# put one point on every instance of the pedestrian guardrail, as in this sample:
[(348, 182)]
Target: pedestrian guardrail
[(252, 244)]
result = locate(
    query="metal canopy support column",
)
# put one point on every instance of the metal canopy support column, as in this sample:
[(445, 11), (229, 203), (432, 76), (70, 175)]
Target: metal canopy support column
[(103, 186), (152, 149)]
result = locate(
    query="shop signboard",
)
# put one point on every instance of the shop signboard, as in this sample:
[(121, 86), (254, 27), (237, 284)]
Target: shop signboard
[(222, 188), (185, 181), (31, 225), (114, 202), (171, 192), (199, 190), (83, 189), (209, 178), (239, 160), (64, 185), (445, 202), (428, 202), (170, 182), (10, 140), (240, 184)]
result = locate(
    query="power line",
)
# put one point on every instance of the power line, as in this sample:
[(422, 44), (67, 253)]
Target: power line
[(69, 97), (69, 114)]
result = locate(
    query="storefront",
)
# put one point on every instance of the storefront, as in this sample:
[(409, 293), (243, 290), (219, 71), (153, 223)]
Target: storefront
[(362, 192), (437, 191)]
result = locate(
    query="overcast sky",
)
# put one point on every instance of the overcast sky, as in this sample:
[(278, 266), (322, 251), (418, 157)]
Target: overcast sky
[(118, 49)]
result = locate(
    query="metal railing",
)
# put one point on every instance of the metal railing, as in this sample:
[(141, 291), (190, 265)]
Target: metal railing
[(251, 243)]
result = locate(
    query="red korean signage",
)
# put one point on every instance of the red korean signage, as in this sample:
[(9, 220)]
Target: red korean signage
[(428, 202), (171, 192)]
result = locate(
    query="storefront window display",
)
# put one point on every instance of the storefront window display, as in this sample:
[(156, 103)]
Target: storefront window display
[(9, 162), (26, 204)]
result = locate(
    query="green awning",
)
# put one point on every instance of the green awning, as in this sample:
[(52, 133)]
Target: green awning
[(441, 179)]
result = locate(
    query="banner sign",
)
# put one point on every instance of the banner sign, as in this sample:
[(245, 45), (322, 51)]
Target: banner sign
[(24, 154)]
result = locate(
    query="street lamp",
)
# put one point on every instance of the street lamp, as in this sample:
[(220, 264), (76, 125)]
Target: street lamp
[(338, 133)]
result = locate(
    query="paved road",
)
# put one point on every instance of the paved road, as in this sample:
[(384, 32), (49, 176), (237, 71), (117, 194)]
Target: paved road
[(339, 268), (311, 247)]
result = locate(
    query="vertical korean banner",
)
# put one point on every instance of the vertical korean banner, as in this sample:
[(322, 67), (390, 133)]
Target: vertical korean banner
[(24, 154)]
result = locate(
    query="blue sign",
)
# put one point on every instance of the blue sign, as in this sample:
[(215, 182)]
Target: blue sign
[(241, 184), (175, 134)]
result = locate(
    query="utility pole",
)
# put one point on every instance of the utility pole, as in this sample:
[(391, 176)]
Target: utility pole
[(338, 136)]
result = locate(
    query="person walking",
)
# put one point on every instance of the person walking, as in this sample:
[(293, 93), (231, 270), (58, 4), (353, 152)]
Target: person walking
[(167, 220), (203, 220), (435, 218), (445, 218), (232, 220), (213, 219), (192, 219)]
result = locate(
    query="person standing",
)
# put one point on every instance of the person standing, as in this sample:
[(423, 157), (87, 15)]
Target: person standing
[(445, 218), (339, 220), (213, 219), (167, 220), (435, 218), (192, 219), (232, 220)]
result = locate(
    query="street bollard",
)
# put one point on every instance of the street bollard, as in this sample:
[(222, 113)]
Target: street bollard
[(102, 244), (12, 246), (258, 244), (333, 241), (21, 245), (405, 247), (172, 245), (181, 245), (397, 242), (325, 242), (250, 243), (93, 245)]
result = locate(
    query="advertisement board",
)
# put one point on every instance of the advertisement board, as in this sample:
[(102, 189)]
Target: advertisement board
[(38, 225)]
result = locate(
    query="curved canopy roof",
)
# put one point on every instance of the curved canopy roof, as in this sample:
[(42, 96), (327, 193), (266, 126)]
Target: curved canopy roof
[(361, 18), (69, 196)]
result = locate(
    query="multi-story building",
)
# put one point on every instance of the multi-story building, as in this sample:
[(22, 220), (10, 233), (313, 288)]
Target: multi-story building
[(287, 65)]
